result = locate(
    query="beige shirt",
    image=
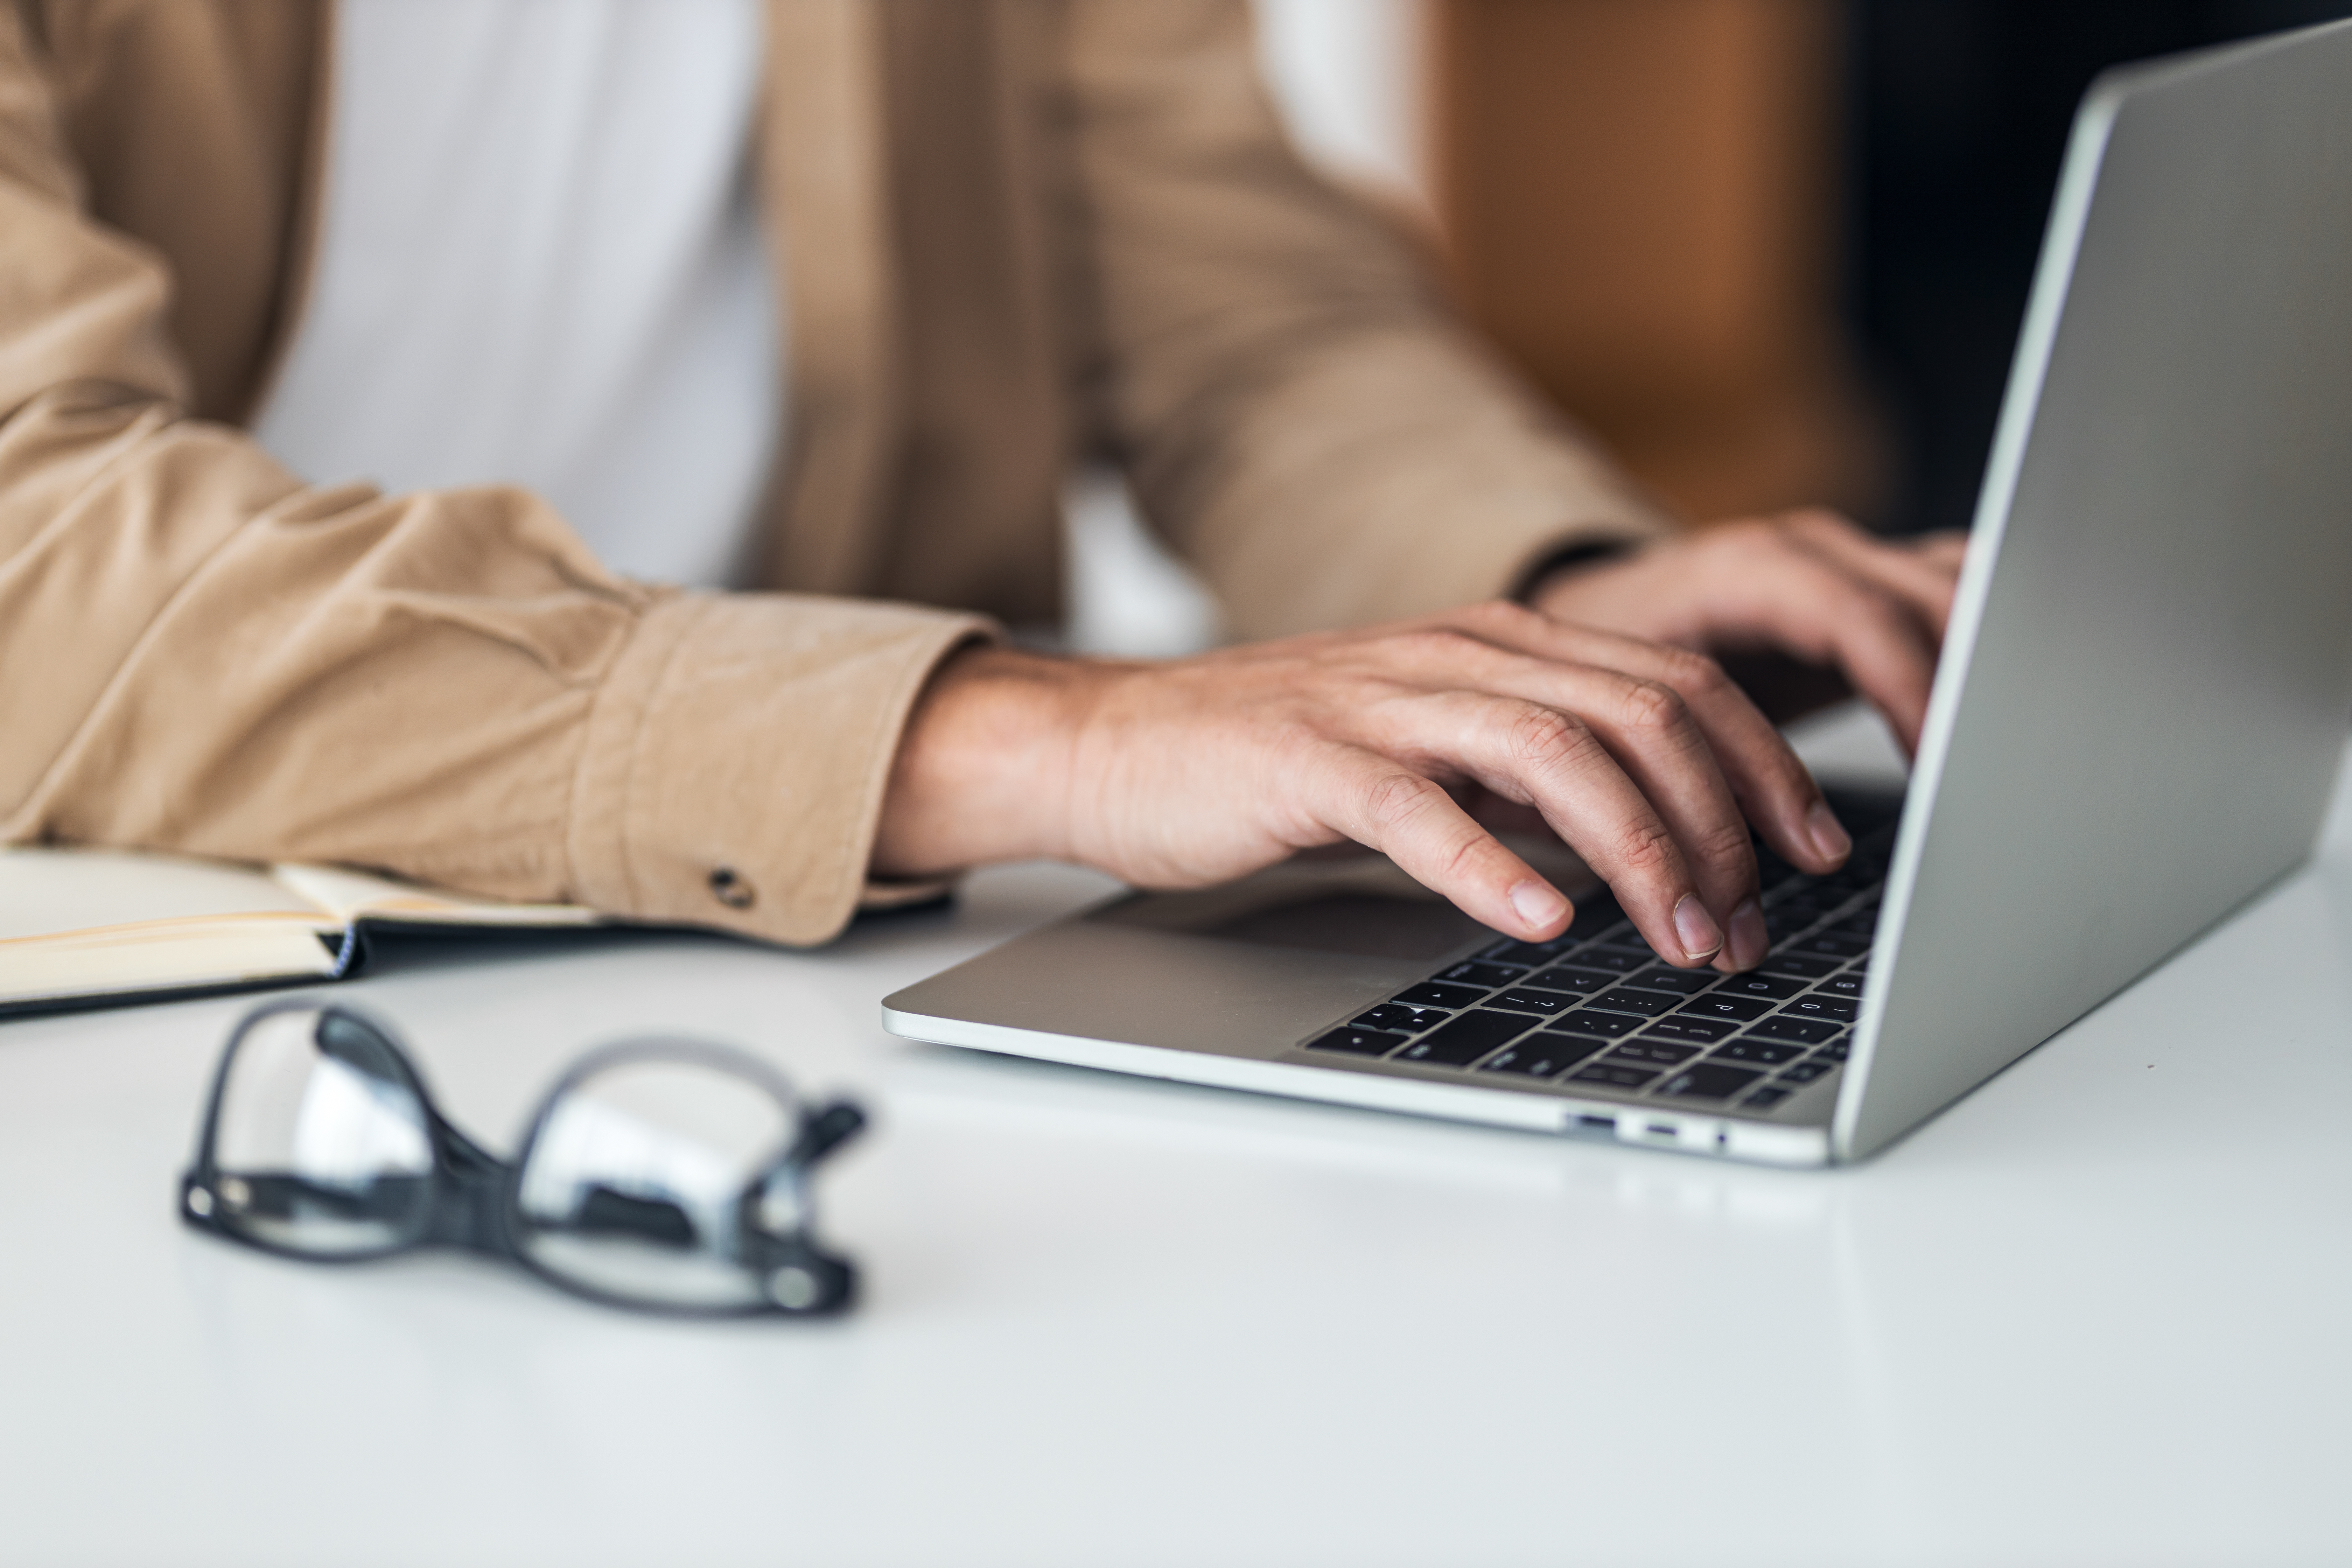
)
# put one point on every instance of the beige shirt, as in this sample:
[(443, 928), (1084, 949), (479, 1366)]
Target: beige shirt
[(1025, 229)]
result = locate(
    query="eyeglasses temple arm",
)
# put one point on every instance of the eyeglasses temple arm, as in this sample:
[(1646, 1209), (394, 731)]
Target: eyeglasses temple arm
[(824, 1131)]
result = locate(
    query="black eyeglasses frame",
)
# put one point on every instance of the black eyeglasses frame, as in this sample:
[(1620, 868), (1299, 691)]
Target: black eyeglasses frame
[(474, 1202)]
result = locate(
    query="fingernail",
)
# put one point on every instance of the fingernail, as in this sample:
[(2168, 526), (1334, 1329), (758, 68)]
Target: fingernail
[(1750, 939), (1700, 936), (1538, 904), (1830, 838)]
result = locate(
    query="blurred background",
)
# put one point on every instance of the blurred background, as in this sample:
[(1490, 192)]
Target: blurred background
[(1771, 251)]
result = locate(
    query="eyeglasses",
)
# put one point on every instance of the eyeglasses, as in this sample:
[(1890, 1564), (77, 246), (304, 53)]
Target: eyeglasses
[(666, 1176)]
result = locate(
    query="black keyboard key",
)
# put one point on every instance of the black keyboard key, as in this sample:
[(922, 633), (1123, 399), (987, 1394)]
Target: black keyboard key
[(1526, 954), (1715, 1005), (1771, 988), (1543, 1004), (1595, 916), (1627, 999), (1805, 1072), (1404, 1020), (1802, 965), (1765, 1099), (1466, 1037), (1614, 1074), (1358, 1042), (1831, 944), (1430, 993), (1566, 978), (1485, 976), (1708, 1082), (1836, 1051), (1665, 1053), (1623, 959), (1849, 985), (1599, 1025), (1804, 1031), (1772, 1053), (1682, 981), (1541, 1055), (1836, 1009), (1683, 1027)]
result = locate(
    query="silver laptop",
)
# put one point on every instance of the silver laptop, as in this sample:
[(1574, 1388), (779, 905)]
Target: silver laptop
[(2134, 728)]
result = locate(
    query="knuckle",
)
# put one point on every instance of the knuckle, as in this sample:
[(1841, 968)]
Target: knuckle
[(1654, 707), (1646, 848), (1461, 856), (1694, 672), (1395, 800), (1724, 844), (1543, 735)]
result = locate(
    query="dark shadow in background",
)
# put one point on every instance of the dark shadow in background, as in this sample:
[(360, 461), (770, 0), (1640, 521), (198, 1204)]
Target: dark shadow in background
[(1957, 122)]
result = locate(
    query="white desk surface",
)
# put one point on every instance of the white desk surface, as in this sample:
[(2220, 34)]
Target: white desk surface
[(2100, 1312)]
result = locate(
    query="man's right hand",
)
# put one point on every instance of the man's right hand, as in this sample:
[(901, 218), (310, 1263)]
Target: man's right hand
[(1644, 758)]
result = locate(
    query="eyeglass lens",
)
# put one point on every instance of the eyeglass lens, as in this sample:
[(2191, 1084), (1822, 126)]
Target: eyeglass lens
[(644, 1177), (321, 1141)]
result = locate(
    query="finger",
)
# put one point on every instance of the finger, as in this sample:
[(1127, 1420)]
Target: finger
[(1652, 735), (1947, 551), (1828, 616), (1413, 821), (1791, 598), (1645, 725), (1919, 582), (1528, 751), (1769, 784)]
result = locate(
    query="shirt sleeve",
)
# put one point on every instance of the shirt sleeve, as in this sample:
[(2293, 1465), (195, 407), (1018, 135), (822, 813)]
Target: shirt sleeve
[(1301, 415), (200, 652)]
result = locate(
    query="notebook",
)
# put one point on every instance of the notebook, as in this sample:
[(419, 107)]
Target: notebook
[(80, 927)]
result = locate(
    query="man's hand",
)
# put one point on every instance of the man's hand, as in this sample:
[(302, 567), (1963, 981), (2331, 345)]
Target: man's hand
[(1643, 758), (1808, 583)]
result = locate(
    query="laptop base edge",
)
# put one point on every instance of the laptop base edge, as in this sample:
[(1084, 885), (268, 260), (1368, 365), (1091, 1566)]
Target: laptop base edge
[(1648, 1126)]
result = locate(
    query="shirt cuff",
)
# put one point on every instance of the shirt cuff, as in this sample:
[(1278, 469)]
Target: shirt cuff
[(737, 757)]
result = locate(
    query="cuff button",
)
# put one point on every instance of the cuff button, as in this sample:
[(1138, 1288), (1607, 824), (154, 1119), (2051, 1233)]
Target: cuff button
[(731, 890)]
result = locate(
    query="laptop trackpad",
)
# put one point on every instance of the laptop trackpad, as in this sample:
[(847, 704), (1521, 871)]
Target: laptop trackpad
[(1248, 969), (1346, 901)]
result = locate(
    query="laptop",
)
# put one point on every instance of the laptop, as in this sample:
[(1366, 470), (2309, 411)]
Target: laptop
[(2134, 728)]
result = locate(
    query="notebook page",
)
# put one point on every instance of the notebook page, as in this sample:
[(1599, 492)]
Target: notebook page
[(76, 923), (54, 892), (350, 895)]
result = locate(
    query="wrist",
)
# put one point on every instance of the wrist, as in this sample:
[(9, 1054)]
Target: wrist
[(1553, 576), (982, 771)]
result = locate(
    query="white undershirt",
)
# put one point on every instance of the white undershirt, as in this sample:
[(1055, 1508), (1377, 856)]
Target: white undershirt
[(541, 265)]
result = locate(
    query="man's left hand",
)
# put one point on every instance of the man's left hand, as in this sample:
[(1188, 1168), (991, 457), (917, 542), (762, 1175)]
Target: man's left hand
[(1808, 583)]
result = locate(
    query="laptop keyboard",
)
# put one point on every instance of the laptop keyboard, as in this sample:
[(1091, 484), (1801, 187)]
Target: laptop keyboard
[(1594, 1009)]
